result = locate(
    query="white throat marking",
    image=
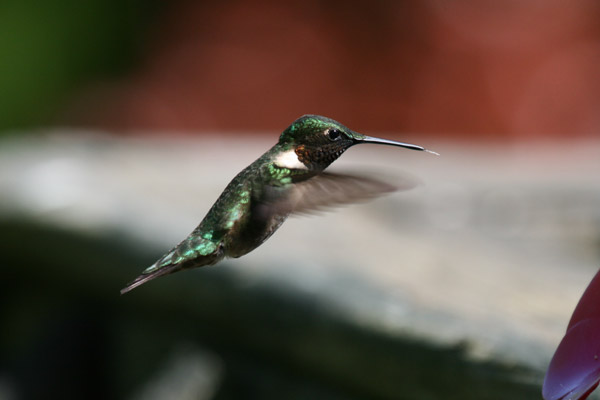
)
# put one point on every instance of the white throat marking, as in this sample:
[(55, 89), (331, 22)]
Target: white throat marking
[(289, 160)]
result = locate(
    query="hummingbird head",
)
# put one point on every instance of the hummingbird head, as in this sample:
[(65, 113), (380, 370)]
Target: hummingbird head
[(318, 141)]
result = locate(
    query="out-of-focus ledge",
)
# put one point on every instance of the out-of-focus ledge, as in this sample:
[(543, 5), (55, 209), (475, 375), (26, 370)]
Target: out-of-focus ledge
[(493, 250)]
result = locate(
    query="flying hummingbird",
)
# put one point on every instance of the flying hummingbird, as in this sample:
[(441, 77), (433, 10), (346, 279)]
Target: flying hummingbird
[(287, 179)]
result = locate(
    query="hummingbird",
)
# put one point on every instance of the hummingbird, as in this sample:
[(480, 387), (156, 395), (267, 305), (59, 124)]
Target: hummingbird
[(287, 179)]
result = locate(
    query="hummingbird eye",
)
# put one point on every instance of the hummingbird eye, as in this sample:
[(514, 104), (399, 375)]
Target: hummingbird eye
[(334, 134)]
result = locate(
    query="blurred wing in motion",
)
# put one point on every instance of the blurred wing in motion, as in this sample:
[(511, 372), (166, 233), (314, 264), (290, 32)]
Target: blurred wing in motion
[(329, 190)]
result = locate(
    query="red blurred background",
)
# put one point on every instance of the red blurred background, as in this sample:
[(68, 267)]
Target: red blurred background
[(479, 69), (463, 69)]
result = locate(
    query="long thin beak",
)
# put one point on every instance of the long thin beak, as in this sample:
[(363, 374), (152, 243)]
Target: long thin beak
[(369, 139)]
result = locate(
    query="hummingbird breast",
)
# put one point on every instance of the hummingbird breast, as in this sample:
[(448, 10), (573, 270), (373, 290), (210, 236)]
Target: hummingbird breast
[(242, 217), (252, 234)]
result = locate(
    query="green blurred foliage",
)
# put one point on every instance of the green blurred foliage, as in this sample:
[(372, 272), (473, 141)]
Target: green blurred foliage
[(49, 48)]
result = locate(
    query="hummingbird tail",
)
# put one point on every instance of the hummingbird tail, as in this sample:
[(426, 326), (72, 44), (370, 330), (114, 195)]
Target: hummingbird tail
[(190, 253), (148, 276)]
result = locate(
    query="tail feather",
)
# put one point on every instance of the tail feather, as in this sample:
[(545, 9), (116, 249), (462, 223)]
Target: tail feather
[(148, 276), (191, 253)]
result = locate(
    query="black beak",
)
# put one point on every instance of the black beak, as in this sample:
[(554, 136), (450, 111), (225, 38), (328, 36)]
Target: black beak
[(369, 139)]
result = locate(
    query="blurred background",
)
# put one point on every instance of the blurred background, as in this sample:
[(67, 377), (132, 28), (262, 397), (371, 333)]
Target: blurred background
[(122, 121)]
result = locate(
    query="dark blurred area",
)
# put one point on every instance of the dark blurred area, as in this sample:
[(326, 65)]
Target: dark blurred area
[(479, 70), (121, 122)]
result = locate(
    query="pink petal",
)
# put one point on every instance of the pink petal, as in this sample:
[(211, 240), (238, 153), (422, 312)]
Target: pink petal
[(589, 305), (574, 371)]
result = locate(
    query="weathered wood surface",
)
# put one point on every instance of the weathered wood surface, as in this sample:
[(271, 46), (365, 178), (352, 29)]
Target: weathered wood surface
[(460, 288)]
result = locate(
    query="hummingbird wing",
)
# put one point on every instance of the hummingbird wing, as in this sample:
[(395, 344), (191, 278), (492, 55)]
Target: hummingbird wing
[(329, 190)]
